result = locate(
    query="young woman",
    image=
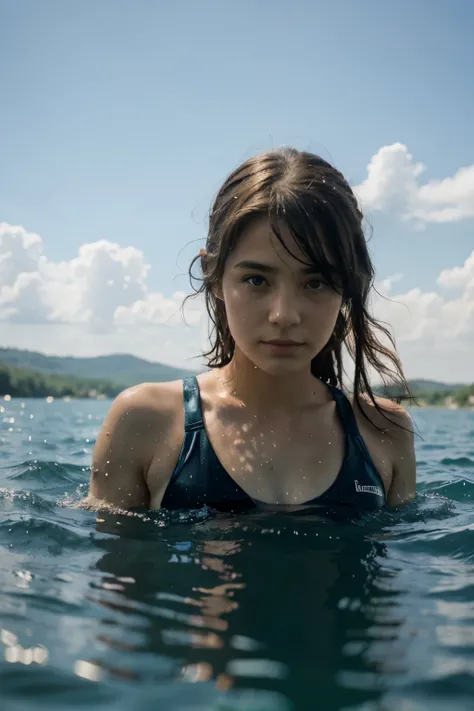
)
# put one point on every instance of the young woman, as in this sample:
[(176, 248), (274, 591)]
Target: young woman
[(286, 277)]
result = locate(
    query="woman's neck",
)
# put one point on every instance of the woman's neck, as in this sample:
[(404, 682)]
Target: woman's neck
[(263, 392)]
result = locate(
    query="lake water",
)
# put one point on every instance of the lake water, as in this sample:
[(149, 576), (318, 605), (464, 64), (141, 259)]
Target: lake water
[(203, 611)]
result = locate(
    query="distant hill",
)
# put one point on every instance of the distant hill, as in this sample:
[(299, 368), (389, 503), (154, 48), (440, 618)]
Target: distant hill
[(31, 374), (125, 370), (24, 382), (418, 386)]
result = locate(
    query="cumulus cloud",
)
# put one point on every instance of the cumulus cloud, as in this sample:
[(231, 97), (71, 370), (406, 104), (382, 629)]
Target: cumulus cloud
[(459, 277), (156, 309), (23, 301), (102, 288), (436, 320), (91, 287), (393, 184), (20, 251)]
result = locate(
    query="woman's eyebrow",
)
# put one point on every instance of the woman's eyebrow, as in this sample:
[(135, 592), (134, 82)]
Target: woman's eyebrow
[(258, 266), (269, 269)]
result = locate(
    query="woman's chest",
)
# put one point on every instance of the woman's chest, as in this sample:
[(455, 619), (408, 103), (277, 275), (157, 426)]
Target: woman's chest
[(279, 460)]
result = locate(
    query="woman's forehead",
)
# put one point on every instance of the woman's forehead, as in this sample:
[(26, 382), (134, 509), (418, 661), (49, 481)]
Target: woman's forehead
[(259, 242)]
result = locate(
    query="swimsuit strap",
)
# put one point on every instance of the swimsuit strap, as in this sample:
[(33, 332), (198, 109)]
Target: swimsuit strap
[(192, 405), (346, 411), (192, 423)]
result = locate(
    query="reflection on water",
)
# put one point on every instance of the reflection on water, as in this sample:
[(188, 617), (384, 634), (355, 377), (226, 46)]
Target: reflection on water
[(293, 607)]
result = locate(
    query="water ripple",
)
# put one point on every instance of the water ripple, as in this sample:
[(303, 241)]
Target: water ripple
[(201, 610)]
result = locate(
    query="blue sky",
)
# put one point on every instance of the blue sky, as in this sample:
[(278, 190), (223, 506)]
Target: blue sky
[(120, 119)]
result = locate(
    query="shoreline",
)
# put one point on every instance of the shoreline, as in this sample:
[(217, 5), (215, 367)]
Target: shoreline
[(99, 396)]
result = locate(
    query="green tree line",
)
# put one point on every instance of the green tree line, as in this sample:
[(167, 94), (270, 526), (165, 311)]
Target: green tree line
[(460, 396), (26, 382), (23, 382)]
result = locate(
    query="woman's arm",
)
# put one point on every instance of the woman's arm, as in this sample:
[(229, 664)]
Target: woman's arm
[(122, 454), (403, 487)]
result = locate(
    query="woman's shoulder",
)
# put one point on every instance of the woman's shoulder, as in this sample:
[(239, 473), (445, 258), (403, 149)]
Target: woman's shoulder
[(146, 405), (141, 421), (149, 401), (384, 414)]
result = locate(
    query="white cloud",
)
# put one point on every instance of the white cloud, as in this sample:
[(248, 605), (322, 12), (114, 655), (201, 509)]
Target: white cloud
[(20, 251), (434, 332), (23, 302), (459, 277), (393, 184), (91, 287), (387, 283), (103, 290), (157, 309)]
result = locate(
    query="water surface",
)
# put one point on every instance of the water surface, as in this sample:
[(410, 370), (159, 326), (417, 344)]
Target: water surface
[(203, 611)]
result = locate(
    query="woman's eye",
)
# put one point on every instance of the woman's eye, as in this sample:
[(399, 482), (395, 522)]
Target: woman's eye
[(315, 284), (255, 280)]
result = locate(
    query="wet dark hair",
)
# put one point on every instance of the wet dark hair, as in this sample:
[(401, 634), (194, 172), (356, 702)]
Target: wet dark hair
[(315, 202)]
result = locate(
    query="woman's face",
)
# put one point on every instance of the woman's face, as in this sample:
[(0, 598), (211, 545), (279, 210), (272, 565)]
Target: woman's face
[(280, 312)]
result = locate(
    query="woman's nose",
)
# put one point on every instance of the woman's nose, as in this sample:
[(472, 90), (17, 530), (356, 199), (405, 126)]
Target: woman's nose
[(284, 310)]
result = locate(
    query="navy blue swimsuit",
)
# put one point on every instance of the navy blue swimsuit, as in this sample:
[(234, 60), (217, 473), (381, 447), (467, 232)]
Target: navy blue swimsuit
[(199, 478)]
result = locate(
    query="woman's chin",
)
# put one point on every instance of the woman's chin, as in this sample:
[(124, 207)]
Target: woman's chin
[(281, 366)]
